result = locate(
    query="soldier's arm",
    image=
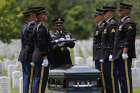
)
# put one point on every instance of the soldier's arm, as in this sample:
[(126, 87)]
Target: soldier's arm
[(43, 40), (113, 29), (130, 34), (31, 28)]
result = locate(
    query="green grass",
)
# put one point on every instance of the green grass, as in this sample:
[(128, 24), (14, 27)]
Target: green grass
[(72, 55), (15, 90), (137, 90)]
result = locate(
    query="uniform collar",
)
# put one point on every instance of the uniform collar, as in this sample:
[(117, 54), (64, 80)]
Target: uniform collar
[(123, 18), (108, 19), (31, 22), (99, 23), (59, 32)]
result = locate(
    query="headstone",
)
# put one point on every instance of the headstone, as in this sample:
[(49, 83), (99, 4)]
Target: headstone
[(12, 68), (1, 67), (15, 78), (78, 60), (4, 84), (138, 64), (136, 77), (19, 65), (21, 85), (8, 62), (90, 62)]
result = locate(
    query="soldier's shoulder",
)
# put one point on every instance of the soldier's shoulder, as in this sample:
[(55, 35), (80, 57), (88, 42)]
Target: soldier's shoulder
[(129, 20), (67, 33), (113, 21), (53, 34), (102, 24), (40, 27), (31, 24)]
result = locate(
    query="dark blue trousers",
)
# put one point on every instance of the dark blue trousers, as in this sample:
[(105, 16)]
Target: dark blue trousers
[(108, 70), (36, 78), (97, 64), (123, 75), (26, 69), (26, 76)]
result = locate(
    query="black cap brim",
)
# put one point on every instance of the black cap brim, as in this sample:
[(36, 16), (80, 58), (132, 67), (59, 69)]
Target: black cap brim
[(125, 6)]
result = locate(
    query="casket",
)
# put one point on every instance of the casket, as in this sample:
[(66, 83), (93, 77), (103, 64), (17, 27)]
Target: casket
[(76, 79)]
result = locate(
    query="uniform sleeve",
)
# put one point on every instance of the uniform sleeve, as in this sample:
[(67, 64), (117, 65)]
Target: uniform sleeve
[(130, 29), (113, 30), (44, 40), (30, 35)]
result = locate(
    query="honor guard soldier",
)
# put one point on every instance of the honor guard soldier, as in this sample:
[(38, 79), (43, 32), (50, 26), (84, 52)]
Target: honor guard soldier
[(107, 47), (100, 23), (124, 49), (27, 45), (99, 18), (61, 52), (42, 46)]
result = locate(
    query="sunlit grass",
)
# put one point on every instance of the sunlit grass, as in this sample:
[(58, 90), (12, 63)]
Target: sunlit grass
[(15, 90), (137, 90)]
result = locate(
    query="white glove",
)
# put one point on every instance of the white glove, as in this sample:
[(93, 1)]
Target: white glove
[(61, 44), (56, 41), (61, 39), (45, 62), (110, 58), (101, 60), (125, 56)]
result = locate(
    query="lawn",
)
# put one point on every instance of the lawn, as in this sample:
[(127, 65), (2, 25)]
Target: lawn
[(136, 90)]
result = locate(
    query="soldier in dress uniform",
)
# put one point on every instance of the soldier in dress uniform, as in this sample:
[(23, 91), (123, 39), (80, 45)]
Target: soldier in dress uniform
[(27, 46), (42, 47), (61, 52), (99, 18), (107, 41), (124, 48)]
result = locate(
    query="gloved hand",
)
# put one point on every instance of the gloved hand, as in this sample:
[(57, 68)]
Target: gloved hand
[(61, 44), (45, 62), (125, 56), (101, 60), (110, 58), (61, 39), (58, 40)]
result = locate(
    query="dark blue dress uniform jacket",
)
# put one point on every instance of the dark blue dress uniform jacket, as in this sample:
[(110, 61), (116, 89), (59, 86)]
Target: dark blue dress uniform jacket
[(27, 44), (125, 38)]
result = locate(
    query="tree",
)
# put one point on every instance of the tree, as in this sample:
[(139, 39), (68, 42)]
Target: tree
[(78, 14)]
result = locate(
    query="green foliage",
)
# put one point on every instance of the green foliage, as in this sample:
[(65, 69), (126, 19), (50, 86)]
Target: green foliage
[(10, 22), (78, 14)]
